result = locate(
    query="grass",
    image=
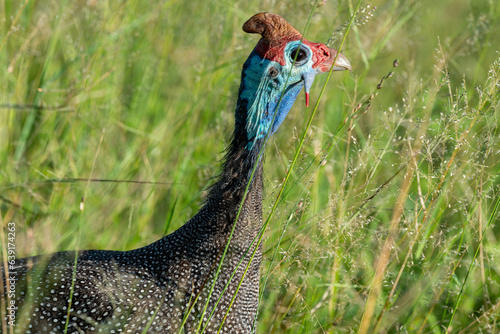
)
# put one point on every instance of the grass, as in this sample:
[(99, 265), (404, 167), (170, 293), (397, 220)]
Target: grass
[(389, 221)]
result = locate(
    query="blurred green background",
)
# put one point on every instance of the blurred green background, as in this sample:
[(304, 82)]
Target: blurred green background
[(390, 222)]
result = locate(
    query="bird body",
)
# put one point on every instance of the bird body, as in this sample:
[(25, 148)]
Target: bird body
[(205, 275)]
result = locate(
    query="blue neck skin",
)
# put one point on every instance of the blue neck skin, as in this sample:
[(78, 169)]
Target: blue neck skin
[(261, 94)]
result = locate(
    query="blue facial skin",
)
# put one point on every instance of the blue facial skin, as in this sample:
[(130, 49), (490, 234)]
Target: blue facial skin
[(264, 82)]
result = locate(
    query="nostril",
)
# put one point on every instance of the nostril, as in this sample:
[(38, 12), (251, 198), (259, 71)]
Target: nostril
[(325, 50)]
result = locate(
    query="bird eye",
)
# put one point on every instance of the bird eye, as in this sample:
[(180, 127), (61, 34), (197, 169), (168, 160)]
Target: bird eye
[(299, 55)]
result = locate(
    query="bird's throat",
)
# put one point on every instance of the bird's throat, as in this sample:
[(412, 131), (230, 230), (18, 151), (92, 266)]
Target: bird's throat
[(264, 101)]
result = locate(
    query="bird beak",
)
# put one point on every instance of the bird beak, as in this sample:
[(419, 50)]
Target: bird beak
[(328, 58), (341, 63)]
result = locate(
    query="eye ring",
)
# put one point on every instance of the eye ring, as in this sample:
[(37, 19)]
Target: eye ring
[(300, 55)]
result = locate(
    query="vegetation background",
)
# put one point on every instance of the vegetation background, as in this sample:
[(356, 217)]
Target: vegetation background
[(390, 221)]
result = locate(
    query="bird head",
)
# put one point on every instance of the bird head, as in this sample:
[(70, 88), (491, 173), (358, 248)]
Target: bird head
[(282, 63)]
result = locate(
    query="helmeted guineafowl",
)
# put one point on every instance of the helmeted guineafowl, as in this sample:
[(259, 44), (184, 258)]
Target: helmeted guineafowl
[(166, 285)]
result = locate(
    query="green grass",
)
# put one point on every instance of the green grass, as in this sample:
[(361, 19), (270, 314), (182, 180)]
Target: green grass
[(388, 224)]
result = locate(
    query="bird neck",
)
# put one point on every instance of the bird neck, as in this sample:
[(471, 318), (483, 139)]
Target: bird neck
[(241, 170), (237, 193)]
